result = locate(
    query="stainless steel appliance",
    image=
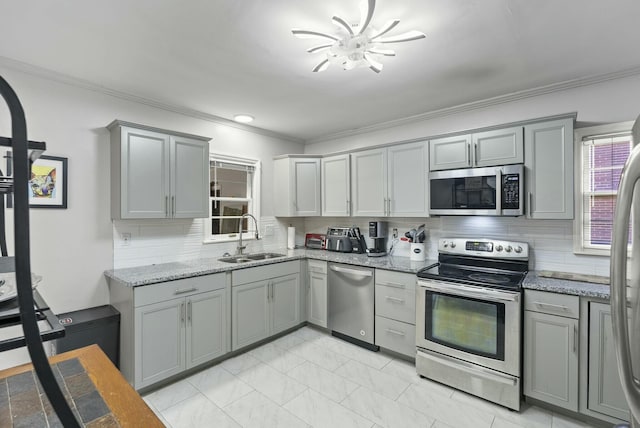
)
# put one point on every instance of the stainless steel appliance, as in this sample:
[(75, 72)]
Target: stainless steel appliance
[(351, 304), (468, 317), (378, 232), (478, 191), (315, 241), (625, 301)]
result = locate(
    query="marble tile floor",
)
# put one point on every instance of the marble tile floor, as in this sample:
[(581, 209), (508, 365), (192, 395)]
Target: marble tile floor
[(311, 379)]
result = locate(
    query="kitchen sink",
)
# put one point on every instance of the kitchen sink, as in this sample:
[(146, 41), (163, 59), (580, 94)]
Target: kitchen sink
[(250, 257)]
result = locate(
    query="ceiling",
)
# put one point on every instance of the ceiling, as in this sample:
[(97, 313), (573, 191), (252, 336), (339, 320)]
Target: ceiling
[(217, 58)]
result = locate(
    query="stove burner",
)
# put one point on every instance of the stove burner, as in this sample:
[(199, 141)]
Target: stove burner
[(490, 278)]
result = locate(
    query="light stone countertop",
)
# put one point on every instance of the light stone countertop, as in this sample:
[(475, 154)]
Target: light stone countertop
[(533, 281), (151, 274)]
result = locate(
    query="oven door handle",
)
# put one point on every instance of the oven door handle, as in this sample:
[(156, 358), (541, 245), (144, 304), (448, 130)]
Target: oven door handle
[(474, 292)]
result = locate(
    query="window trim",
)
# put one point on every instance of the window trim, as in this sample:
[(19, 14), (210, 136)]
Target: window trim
[(208, 238), (578, 222)]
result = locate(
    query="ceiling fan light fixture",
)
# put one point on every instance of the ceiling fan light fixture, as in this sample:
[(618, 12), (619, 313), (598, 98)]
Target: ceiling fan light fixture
[(351, 49), (243, 118)]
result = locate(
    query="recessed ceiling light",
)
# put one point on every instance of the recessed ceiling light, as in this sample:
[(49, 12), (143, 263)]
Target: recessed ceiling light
[(243, 118)]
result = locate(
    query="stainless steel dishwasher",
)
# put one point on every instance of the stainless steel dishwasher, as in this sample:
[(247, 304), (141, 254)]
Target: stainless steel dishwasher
[(351, 304)]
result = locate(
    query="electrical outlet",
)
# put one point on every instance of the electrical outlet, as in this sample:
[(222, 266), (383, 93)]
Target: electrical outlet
[(268, 230), (395, 233), (126, 239)]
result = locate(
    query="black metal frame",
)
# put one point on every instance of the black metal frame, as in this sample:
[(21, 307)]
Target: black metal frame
[(22, 162)]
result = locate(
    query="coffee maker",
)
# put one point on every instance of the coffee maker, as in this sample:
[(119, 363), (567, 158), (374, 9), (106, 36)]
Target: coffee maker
[(378, 232)]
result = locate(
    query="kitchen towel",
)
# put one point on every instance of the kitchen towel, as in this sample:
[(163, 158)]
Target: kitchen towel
[(291, 237)]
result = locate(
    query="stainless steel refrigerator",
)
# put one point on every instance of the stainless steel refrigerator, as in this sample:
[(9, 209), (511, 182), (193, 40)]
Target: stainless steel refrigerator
[(625, 301)]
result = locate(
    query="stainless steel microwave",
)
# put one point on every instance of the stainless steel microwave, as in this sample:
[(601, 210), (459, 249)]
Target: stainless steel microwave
[(496, 191)]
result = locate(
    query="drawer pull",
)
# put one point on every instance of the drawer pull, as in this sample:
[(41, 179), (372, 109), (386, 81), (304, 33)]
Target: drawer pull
[(542, 305), (394, 299), (185, 290), (396, 332), (316, 270), (392, 284)]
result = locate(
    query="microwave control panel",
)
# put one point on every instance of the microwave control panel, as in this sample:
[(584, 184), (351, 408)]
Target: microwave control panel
[(511, 191)]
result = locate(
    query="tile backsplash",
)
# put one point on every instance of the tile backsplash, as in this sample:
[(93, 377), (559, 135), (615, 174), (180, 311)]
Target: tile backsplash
[(162, 241)]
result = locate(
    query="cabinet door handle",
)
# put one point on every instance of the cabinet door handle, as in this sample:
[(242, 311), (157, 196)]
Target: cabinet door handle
[(273, 291), (166, 206), (392, 284), (575, 339), (529, 203), (182, 312), (173, 206), (469, 154), (475, 154), (394, 299), (189, 311), (184, 290), (396, 332)]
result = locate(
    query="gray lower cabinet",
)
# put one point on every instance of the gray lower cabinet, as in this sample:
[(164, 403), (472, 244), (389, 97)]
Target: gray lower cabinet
[(265, 301), (170, 327), (395, 309), (551, 348), (317, 293), (605, 393)]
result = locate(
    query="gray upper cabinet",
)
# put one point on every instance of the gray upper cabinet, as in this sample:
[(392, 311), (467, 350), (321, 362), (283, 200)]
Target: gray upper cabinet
[(336, 186), (548, 162), (390, 181), (488, 148), (605, 393), (296, 186), (157, 174), (369, 183), (450, 152), (498, 147), (551, 348)]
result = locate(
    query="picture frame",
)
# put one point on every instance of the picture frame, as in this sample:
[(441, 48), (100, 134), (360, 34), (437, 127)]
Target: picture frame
[(48, 183)]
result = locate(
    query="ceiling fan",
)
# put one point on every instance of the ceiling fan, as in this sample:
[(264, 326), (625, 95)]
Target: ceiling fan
[(358, 45)]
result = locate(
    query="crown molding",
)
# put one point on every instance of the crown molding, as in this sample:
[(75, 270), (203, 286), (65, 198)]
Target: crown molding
[(174, 108), (476, 105)]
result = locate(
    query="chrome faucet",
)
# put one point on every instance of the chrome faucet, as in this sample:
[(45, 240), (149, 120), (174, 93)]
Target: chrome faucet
[(240, 246)]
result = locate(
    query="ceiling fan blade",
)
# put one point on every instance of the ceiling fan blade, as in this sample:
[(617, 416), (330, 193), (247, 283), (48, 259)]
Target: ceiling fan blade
[(385, 52), (319, 48), (405, 37), (373, 64), (342, 23), (322, 66), (387, 27), (306, 34), (366, 13)]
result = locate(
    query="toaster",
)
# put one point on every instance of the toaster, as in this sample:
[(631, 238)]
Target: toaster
[(315, 241)]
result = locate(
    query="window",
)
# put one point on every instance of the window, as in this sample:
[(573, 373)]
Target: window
[(233, 192), (602, 153)]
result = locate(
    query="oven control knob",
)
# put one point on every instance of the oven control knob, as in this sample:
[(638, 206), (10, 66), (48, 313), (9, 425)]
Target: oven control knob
[(453, 244), (445, 245), (508, 249), (518, 249), (498, 247)]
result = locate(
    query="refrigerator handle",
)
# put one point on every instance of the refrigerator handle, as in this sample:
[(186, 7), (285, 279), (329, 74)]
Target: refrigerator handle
[(628, 180)]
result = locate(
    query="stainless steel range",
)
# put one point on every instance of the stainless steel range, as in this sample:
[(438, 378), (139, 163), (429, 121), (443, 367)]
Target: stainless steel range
[(468, 317)]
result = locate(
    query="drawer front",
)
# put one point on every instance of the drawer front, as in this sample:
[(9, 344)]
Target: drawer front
[(317, 266), (393, 279), (154, 293), (396, 303), (258, 273), (396, 336), (552, 303)]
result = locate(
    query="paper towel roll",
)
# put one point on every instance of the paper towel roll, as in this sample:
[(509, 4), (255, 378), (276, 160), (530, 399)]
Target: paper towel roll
[(291, 237)]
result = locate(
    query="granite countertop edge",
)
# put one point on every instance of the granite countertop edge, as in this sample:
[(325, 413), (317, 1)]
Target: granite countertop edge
[(163, 272), (534, 281)]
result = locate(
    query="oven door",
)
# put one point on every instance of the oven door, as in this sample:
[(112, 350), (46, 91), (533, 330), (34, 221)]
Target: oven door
[(474, 324), (477, 191)]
